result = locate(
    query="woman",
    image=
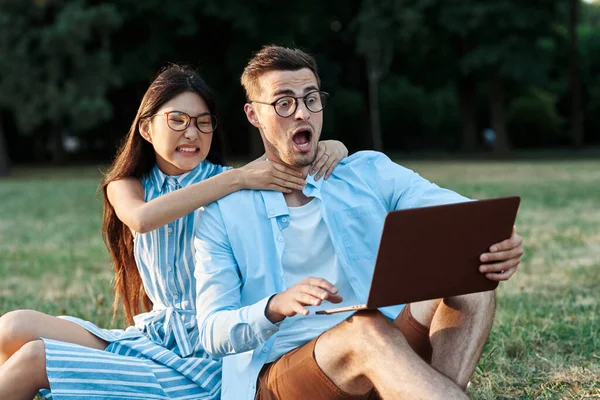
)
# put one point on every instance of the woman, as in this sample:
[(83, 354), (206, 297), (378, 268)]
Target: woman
[(167, 168)]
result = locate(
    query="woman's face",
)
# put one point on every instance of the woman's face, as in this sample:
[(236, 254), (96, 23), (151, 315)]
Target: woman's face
[(179, 151)]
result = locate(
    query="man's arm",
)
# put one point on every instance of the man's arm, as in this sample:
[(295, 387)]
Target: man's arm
[(225, 326), (401, 188)]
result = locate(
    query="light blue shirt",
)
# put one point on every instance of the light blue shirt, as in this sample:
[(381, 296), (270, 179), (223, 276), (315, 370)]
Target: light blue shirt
[(239, 247)]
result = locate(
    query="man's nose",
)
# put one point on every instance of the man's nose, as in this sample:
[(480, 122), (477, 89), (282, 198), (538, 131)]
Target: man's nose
[(302, 113)]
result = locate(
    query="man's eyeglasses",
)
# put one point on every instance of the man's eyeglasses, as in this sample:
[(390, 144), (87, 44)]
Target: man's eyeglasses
[(286, 106), (179, 121)]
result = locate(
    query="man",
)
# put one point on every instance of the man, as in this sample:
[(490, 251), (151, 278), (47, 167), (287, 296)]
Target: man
[(264, 260)]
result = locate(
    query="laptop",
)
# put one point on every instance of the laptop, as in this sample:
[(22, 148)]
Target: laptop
[(433, 252)]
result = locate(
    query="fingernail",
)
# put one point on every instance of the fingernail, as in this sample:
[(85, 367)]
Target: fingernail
[(494, 248), (484, 257), (334, 290), (482, 268)]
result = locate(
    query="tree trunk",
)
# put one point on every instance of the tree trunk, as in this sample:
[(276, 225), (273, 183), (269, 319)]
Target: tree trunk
[(467, 96), (373, 78), (497, 114), (574, 76), (4, 160), (467, 99), (57, 151)]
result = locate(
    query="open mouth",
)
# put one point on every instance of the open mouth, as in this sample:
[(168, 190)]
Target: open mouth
[(302, 139)]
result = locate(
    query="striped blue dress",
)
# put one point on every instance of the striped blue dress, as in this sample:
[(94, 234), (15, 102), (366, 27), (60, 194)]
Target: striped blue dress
[(161, 356)]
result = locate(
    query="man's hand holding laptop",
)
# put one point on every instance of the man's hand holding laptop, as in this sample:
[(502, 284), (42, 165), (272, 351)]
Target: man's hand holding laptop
[(503, 259)]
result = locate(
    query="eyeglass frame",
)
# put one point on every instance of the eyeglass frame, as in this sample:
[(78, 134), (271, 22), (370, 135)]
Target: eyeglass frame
[(321, 93), (212, 117)]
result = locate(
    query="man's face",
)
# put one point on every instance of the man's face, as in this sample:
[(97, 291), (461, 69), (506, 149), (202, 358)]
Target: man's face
[(292, 140)]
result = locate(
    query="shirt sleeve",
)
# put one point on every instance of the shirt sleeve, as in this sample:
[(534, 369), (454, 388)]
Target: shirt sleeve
[(401, 188), (225, 326)]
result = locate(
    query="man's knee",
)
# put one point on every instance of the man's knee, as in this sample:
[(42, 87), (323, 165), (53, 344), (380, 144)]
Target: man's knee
[(474, 303), (370, 327), (16, 329)]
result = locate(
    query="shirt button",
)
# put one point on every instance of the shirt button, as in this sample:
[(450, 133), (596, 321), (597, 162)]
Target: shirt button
[(280, 238), (269, 332), (265, 350), (169, 268), (176, 296), (271, 213), (284, 219), (169, 230)]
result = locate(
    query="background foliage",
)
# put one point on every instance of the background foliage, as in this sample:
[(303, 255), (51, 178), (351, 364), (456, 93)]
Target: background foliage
[(406, 75)]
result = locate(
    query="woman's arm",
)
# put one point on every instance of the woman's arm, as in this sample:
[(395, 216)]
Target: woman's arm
[(329, 154), (127, 195)]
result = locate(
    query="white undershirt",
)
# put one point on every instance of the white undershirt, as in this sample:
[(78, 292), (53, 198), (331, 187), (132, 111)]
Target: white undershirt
[(308, 252)]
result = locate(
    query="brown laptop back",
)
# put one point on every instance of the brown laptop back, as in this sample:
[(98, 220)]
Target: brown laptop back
[(433, 252)]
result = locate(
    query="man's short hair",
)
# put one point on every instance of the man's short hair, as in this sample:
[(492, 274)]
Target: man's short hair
[(274, 58)]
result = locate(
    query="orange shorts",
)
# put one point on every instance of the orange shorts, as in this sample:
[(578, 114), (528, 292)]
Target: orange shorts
[(296, 375)]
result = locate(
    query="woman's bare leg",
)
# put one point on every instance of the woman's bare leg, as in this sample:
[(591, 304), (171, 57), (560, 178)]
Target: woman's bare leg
[(20, 327), (24, 374), (23, 356)]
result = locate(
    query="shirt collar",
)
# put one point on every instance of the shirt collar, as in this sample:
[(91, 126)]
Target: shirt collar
[(160, 178), (313, 186), (275, 205)]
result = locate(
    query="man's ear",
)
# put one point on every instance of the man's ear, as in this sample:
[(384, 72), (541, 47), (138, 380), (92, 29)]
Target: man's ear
[(251, 114), (144, 127)]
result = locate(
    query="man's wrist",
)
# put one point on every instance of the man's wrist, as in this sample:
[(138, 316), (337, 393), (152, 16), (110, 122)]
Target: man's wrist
[(272, 315)]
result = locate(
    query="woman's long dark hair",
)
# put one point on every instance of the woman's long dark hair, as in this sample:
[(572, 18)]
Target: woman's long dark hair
[(135, 158)]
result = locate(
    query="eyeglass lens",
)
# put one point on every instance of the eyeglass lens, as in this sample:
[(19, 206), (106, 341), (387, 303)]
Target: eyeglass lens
[(286, 106), (179, 121)]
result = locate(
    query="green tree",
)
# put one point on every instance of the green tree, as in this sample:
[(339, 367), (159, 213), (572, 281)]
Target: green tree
[(56, 66), (494, 42), (4, 159), (376, 24), (575, 75)]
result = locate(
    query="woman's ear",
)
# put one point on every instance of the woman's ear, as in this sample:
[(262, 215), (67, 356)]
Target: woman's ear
[(144, 127)]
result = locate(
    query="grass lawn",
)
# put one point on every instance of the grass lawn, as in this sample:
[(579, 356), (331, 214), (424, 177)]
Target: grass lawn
[(545, 343)]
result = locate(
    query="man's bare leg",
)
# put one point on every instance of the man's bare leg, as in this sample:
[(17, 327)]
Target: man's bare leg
[(368, 350), (459, 328)]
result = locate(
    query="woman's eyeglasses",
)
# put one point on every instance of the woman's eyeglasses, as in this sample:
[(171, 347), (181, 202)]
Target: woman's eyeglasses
[(179, 121)]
